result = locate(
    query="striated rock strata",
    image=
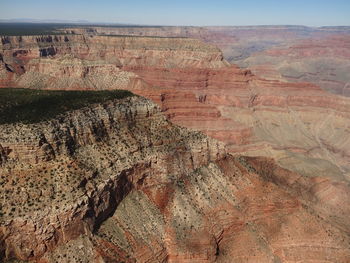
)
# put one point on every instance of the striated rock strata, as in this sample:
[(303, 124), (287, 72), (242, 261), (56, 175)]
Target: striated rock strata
[(287, 53), (117, 182), (304, 128), (95, 62), (64, 177), (323, 61)]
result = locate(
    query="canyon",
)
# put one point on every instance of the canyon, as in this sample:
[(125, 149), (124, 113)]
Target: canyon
[(284, 53), (259, 174)]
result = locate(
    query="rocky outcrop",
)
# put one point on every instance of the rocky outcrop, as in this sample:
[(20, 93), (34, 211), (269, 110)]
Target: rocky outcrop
[(124, 184), (82, 165), (226, 210)]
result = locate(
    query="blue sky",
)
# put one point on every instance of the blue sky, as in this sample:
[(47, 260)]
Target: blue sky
[(182, 12)]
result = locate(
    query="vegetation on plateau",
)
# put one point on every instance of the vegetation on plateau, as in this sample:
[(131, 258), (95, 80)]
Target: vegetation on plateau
[(25, 29), (32, 106)]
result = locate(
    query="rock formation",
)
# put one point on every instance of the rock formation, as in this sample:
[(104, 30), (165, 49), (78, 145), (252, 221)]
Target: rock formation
[(62, 178), (76, 61), (302, 127), (118, 182), (323, 61), (287, 53)]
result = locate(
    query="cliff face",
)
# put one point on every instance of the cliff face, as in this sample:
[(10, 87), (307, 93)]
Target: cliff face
[(302, 127), (64, 177), (118, 182), (94, 62), (287, 53)]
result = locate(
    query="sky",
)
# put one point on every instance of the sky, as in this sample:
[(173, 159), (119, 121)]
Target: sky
[(185, 12)]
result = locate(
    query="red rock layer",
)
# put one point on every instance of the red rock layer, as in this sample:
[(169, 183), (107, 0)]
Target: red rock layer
[(193, 97), (194, 87), (186, 201), (236, 209)]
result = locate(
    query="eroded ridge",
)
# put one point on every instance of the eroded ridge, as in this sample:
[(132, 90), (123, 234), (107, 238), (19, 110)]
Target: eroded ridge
[(118, 182)]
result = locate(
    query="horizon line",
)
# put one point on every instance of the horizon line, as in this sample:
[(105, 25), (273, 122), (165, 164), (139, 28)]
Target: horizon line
[(91, 23)]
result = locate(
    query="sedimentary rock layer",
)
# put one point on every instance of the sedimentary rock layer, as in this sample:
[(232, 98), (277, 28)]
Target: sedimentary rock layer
[(76, 61), (303, 127), (62, 178), (288, 53), (323, 61), (118, 182)]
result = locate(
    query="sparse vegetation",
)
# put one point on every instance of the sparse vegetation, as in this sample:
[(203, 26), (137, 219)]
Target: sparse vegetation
[(32, 106), (25, 29), (22, 29)]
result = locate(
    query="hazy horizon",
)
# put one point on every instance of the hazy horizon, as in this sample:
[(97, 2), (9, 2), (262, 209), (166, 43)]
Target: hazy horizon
[(183, 13), (103, 23)]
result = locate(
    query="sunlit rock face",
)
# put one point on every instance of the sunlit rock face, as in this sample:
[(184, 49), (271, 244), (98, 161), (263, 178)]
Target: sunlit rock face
[(285, 53), (64, 177), (94, 62), (196, 88), (119, 182)]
